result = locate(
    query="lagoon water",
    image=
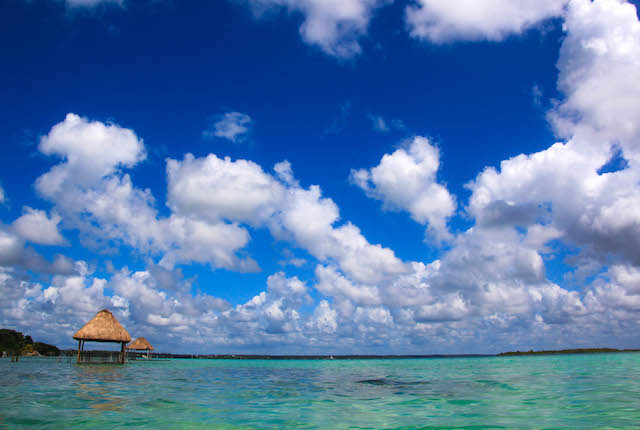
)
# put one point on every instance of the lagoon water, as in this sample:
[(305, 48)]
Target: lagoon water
[(568, 391)]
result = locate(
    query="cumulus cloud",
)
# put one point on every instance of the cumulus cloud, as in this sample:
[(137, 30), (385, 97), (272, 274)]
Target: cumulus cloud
[(90, 189), (214, 188), (273, 313), (406, 180), (309, 219), (211, 189), (35, 226), (564, 185), (334, 26), (597, 63), (233, 126), (441, 21), (91, 150), (324, 318)]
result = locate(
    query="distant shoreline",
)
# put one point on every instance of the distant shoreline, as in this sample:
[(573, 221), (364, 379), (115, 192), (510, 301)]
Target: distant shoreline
[(378, 357), (566, 352), (390, 357)]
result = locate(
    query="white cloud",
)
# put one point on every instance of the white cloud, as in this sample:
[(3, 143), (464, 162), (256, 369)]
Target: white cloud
[(324, 318), (284, 172), (292, 291), (562, 185), (90, 149), (406, 180), (335, 26), (91, 192), (272, 313), (35, 226), (309, 219), (192, 240), (598, 62), (233, 126), (333, 284), (212, 189), (2, 195), (441, 21)]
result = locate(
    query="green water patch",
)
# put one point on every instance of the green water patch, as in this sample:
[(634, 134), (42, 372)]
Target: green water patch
[(569, 391)]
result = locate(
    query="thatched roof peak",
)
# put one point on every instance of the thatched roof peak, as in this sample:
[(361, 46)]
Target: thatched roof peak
[(104, 327), (140, 344)]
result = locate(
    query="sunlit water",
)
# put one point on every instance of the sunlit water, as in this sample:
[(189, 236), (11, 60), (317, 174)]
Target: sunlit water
[(570, 391)]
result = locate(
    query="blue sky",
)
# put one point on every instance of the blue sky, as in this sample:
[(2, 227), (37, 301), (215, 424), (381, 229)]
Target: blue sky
[(392, 182)]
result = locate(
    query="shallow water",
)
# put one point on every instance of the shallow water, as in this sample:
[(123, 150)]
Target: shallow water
[(569, 391)]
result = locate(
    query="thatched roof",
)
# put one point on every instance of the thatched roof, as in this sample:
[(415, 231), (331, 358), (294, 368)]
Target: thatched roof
[(104, 327), (140, 344)]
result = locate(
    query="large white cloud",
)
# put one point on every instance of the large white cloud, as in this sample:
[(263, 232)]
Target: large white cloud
[(214, 188), (35, 226), (599, 60), (564, 185), (406, 180), (441, 21), (91, 150), (89, 188), (333, 25)]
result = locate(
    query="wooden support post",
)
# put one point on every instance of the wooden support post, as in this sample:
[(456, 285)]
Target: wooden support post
[(123, 352), (79, 345)]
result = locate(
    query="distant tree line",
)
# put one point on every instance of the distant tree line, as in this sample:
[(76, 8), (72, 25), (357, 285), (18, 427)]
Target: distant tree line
[(567, 351), (15, 343)]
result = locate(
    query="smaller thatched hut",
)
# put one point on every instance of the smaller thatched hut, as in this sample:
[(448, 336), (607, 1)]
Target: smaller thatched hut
[(104, 327), (141, 344)]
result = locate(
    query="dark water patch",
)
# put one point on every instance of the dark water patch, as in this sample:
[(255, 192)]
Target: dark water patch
[(496, 384), (391, 382)]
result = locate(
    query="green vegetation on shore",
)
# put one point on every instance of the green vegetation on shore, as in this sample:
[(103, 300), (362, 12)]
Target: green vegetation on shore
[(567, 351), (15, 343)]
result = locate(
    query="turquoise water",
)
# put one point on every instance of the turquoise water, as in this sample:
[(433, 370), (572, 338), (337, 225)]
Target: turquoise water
[(571, 391)]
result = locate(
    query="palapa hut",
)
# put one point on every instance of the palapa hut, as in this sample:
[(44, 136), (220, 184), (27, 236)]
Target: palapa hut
[(104, 327), (141, 344)]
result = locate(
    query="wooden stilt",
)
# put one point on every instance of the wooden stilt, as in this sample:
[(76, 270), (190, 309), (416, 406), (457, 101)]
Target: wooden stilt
[(79, 345)]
